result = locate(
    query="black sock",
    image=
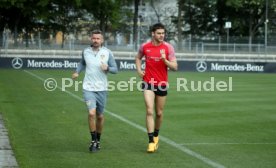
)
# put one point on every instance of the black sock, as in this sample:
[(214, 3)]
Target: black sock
[(150, 137), (156, 132), (98, 136), (93, 136)]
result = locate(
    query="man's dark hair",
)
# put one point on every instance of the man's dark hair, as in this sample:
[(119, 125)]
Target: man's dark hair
[(96, 32), (157, 26)]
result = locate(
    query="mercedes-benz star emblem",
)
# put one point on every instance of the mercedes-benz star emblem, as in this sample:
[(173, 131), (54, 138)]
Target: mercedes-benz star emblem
[(201, 66), (17, 63)]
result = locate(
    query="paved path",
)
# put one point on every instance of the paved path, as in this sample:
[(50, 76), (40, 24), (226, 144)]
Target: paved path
[(7, 159)]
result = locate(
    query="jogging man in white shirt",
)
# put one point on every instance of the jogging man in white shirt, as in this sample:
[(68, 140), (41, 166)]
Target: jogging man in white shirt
[(97, 61)]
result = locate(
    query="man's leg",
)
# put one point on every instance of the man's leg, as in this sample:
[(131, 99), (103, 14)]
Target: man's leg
[(90, 101), (99, 128), (99, 123), (159, 107), (92, 120), (92, 128), (101, 102), (149, 102)]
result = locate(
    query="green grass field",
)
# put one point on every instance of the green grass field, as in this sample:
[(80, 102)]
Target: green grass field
[(201, 128)]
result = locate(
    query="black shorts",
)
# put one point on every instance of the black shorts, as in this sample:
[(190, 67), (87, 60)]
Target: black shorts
[(158, 90)]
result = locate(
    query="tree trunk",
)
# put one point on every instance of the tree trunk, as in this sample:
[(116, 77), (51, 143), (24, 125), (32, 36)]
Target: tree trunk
[(63, 37), (250, 32), (27, 38), (16, 31), (15, 34), (155, 11), (135, 20), (179, 26)]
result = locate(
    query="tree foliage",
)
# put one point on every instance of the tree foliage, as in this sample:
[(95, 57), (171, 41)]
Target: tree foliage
[(205, 18), (195, 17)]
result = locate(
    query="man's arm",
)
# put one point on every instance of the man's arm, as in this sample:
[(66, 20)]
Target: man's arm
[(81, 66), (171, 64), (138, 62), (112, 66)]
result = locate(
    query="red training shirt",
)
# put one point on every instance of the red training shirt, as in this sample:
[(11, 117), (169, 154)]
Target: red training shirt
[(156, 71)]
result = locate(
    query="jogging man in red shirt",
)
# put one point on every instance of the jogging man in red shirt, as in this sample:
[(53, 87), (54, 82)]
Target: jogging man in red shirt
[(159, 56)]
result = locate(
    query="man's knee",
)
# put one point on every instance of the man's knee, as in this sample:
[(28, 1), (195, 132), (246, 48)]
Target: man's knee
[(92, 113), (149, 111), (159, 113), (100, 117)]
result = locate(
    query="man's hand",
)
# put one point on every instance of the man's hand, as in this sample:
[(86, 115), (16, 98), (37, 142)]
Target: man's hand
[(141, 73), (163, 54), (104, 67), (75, 75)]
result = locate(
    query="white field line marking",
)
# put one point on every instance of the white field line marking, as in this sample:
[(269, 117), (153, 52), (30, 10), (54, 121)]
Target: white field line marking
[(229, 143), (162, 138)]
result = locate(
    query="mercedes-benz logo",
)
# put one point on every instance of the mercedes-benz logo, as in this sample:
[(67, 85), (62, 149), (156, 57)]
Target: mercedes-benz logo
[(17, 63), (201, 66)]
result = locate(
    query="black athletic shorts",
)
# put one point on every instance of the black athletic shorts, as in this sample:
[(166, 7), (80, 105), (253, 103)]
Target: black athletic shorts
[(158, 90)]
